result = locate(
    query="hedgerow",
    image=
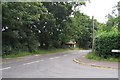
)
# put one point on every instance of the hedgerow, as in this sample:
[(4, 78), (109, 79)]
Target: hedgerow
[(105, 42)]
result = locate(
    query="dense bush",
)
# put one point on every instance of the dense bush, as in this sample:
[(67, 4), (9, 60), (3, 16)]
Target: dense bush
[(105, 42)]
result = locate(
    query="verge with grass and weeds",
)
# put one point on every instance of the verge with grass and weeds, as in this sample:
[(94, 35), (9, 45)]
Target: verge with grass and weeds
[(93, 56), (42, 51)]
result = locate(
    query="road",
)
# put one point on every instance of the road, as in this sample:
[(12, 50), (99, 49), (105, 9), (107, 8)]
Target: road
[(59, 65)]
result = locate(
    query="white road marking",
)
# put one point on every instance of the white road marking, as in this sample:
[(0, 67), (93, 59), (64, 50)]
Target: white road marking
[(31, 62), (74, 53), (41, 60), (51, 58), (54, 58), (5, 68), (8, 58), (36, 55), (64, 55), (57, 57)]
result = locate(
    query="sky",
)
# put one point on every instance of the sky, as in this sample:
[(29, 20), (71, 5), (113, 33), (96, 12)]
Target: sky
[(99, 9)]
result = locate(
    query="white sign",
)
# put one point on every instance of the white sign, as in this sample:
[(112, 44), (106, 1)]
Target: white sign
[(115, 50)]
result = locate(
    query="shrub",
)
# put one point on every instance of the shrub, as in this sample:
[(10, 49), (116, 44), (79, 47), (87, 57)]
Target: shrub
[(105, 42)]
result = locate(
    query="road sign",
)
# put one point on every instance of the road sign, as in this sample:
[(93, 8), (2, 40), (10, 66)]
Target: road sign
[(117, 51)]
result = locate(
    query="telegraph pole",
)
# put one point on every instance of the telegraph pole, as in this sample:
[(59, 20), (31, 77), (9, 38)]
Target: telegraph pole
[(118, 15), (119, 8), (93, 33)]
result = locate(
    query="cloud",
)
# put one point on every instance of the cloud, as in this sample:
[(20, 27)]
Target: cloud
[(99, 8)]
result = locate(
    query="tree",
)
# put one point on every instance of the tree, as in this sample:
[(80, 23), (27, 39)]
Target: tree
[(38, 25), (61, 12), (18, 28), (82, 29)]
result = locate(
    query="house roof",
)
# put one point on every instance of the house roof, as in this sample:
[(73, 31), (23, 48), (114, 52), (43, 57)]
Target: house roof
[(71, 43)]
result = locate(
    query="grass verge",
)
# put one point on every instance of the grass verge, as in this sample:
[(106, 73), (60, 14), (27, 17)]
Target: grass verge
[(42, 51), (92, 56)]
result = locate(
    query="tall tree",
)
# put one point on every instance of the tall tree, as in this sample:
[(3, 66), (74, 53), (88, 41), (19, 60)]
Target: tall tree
[(17, 25)]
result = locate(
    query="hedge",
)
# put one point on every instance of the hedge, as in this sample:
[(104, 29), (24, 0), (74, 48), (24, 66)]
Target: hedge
[(105, 42)]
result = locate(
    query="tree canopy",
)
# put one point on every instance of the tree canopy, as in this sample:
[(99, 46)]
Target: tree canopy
[(30, 26)]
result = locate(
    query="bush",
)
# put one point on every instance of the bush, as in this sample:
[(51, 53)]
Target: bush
[(93, 56), (105, 42)]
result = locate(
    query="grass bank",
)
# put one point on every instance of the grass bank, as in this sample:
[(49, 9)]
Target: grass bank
[(42, 51), (93, 56)]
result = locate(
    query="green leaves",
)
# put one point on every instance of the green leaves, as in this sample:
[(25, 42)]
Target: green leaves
[(18, 18), (105, 42), (29, 26), (82, 29)]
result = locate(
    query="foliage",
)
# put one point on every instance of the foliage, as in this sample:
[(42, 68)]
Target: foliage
[(44, 25), (107, 37), (93, 56), (112, 23), (61, 12), (38, 52), (82, 32), (17, 29), (105, 42), (29, 26)]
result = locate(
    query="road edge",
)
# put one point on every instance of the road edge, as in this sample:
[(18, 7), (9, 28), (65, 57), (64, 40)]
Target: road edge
[(92, 65)]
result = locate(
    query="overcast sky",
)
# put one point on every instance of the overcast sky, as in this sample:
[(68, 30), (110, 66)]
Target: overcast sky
[(99, 8)]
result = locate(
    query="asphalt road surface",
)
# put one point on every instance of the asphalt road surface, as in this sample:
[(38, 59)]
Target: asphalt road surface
[(59, 65)]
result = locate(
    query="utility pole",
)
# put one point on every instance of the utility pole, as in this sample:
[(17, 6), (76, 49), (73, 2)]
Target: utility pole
[(118, 15), (119, 8), (93, 33)]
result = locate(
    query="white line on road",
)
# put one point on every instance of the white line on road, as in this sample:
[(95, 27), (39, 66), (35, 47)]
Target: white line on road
[(36, 55), (74, 53), (51, 58), (5, 68), (64, 55), (42, 60), (57, 57), (31, 62), (54, 58)]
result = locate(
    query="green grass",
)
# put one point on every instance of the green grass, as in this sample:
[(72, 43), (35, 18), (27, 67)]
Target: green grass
[(42, 51), (19, 54), (92, 56)]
